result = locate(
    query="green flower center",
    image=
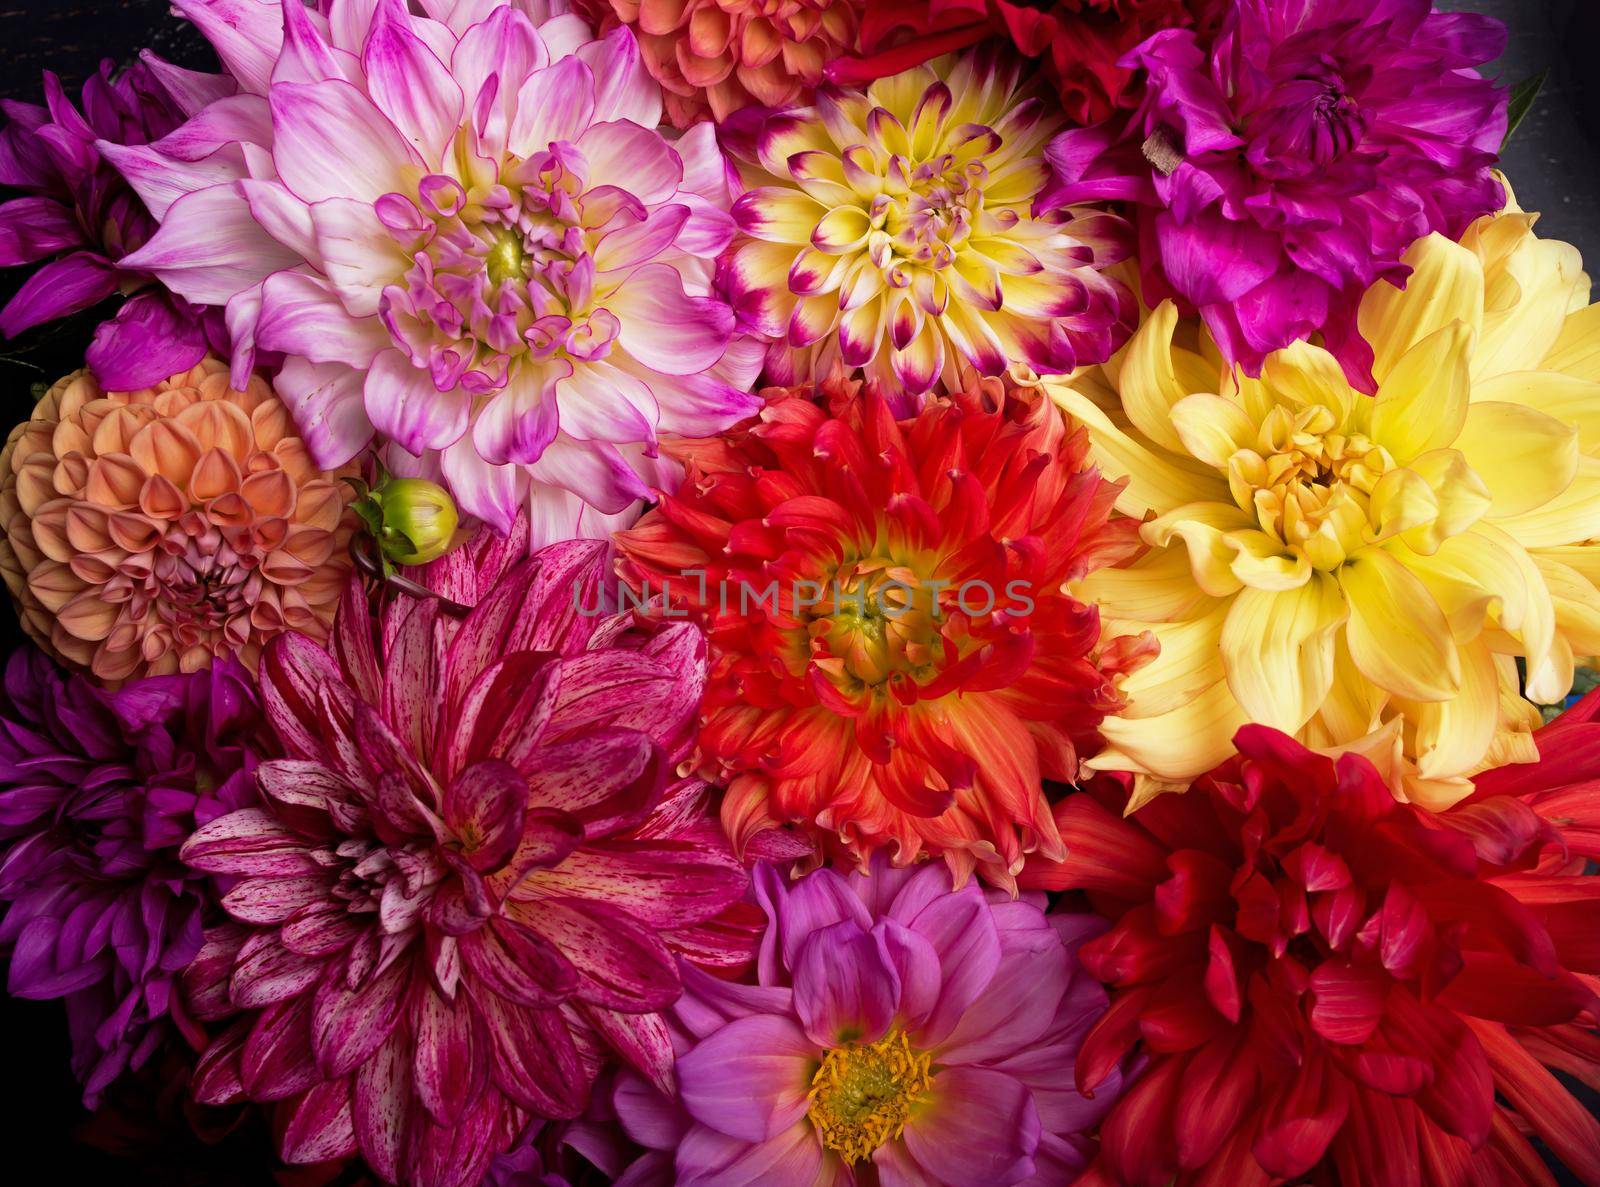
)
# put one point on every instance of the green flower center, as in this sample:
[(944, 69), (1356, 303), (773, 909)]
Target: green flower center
[(864, 1093)]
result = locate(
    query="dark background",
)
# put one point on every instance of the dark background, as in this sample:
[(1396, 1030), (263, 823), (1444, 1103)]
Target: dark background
[(1554, 164)]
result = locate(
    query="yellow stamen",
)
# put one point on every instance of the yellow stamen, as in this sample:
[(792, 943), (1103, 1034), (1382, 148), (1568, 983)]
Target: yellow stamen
[(505, 258), (864, 1093)]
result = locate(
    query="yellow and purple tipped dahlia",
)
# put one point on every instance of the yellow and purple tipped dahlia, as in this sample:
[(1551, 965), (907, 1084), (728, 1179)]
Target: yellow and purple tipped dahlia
[(471, 239), (473, 876), (150, 532), (894, 231), (97, 791)]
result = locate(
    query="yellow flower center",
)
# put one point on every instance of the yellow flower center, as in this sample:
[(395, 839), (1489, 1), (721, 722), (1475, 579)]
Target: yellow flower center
[(505, 259), (926, 218), (880, 620), (1309, 481), (864, 1093)]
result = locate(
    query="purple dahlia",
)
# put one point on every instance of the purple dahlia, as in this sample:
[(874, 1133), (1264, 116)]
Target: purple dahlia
[(472, 877), (97, 792), (1284, 172), (82, 218), (901, 1033)]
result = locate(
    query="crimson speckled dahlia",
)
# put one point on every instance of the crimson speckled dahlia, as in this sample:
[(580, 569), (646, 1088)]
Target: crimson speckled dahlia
[(97, 792), (471, 878), (895, 231), (916, 667)]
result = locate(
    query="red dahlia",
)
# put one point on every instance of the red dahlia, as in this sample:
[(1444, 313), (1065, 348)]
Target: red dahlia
[(916, 667), (1080, 42), (1333, 987)]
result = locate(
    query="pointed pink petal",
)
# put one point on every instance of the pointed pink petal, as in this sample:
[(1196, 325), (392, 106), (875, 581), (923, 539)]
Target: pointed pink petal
[(293, 672), (485, 807), (210, 247), (246, 34), (980, 1128), (348, 1025), (277, 1061), (751, 1079), (382, 1103), (403, 403), (534, 1060), (329, 141), (411, 86), (249, 842), (325, 400), (666, 329), (620, 964), (518, 964), (449, 1064), (301, 315), (320, 1128)]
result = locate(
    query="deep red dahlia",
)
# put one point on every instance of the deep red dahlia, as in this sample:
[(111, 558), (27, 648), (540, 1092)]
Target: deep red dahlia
[(1330, 986), (894, 661), (1079, 41)]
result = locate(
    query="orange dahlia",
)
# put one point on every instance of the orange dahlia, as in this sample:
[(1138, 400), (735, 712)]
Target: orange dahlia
[(147, 532), (894, 661), (714, 57)]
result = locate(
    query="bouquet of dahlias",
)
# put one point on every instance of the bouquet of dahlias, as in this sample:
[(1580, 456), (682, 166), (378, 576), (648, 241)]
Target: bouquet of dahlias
[(806, 593)]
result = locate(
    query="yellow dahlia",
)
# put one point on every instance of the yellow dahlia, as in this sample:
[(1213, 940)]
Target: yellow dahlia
[(894, 230), (147, 532), (1362, 571)]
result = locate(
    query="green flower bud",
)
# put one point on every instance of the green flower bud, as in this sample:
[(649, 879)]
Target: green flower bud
[(417, 520)]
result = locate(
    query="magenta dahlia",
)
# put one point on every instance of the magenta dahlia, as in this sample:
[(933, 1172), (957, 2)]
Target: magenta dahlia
[(901, 1033), (97, 792), (473, 875), (77, 217), (1284, 171)]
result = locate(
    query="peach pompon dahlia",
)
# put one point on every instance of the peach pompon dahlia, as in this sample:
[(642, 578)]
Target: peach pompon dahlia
[(149, 532), (714, 57), (894, 231)]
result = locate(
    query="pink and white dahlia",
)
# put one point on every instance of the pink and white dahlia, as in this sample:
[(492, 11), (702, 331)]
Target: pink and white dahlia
[(470, 237), (472, 877)]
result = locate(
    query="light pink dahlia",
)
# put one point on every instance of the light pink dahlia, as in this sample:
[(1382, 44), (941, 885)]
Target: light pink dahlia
[(470, 881), (467, 232)]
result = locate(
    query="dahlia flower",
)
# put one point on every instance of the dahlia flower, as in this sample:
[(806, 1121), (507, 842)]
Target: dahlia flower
[(589, 1152), (152, 531), (1328, 986), (900, 1032), (1285, 170), (469, 236), (97, 791), (470, 878), (714, 57), (1080, 43), (1355, 570), (893, 660), (894, 230), (78, 214)]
